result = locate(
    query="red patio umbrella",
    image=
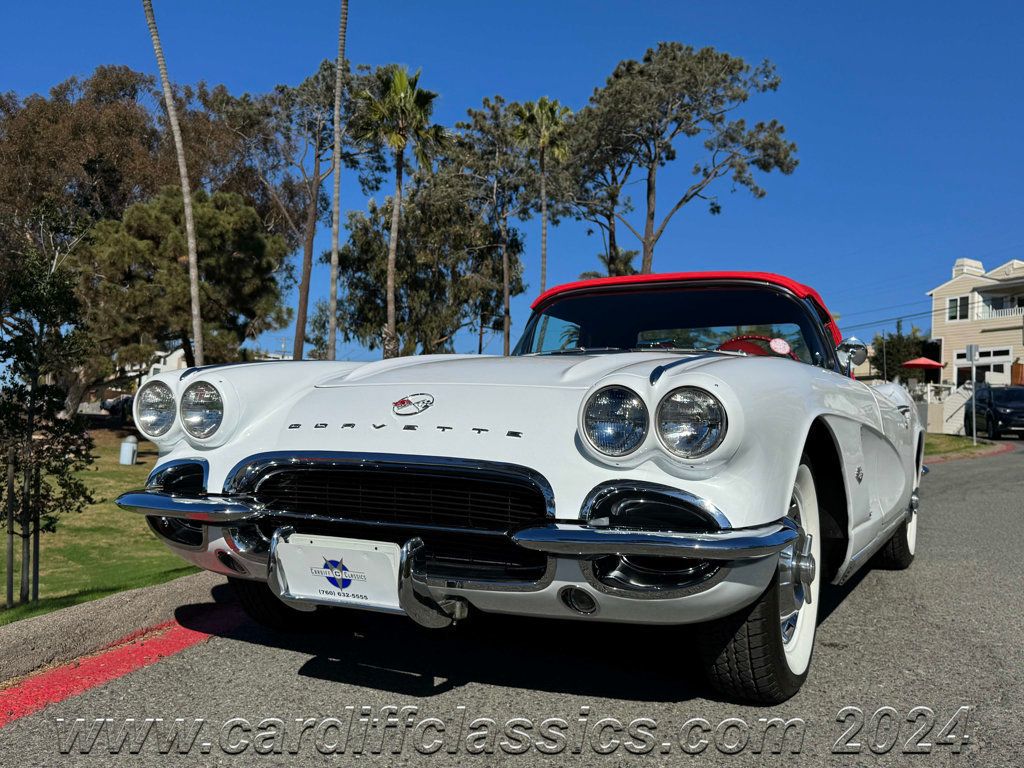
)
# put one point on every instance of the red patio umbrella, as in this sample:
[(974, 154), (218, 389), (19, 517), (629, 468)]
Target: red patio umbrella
[(922, 362)]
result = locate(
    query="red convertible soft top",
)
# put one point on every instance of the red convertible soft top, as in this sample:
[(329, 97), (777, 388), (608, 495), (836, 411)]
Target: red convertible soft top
[(799, 289)]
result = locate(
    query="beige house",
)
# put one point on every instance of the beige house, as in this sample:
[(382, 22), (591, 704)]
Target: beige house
[(984, 308)]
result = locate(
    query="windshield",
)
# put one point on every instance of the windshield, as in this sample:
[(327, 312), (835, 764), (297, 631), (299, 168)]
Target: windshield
[(752, 320), (1011, 396)]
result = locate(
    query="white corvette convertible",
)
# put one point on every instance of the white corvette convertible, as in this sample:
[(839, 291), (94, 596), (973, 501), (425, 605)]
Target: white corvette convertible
[(660, 449)]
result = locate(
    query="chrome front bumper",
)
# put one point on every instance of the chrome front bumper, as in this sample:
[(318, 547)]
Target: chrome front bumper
[(746, 557), (567, 539)]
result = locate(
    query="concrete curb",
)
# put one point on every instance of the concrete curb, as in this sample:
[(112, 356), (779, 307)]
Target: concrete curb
[(944, 457), (67, 634)]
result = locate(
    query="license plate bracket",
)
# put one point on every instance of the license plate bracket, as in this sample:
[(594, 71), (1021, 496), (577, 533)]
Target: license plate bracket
[(332, 570)]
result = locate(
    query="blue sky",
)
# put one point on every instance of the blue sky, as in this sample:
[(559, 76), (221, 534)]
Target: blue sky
[(907, 116)]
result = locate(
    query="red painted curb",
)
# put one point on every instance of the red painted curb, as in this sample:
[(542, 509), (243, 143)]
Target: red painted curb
[(1005, 448), (137, 650)]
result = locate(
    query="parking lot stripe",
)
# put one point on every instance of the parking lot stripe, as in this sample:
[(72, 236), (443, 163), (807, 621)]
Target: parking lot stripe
[(134, 652)]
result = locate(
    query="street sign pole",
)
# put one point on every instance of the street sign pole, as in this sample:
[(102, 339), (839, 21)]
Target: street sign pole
[(974, 405)]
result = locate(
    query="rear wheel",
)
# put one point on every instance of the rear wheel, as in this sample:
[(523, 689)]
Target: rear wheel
[(898, 552), (762, 654), (262, 606)]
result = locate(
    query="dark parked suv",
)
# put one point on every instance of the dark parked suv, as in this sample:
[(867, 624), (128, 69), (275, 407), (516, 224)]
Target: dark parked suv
[(1000, 410)]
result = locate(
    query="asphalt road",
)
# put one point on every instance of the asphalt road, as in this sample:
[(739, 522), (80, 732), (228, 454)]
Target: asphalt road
[(945, 634)]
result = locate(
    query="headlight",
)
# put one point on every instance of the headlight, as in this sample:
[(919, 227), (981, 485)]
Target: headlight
[(615, 421), (691, 422), (155, 409), (202, 409)]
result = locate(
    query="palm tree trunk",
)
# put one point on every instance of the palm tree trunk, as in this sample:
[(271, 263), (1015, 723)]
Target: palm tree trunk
[(332, 312), (543, 225), (391, 342), (647, 266), (505, 279), (312, 209), (186, 192)]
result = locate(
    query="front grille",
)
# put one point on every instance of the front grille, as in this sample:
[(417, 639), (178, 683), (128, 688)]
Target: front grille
[(404, 497), (461, 515)]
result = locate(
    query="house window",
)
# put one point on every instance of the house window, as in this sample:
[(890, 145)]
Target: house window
[(961, 355), (958, 308)]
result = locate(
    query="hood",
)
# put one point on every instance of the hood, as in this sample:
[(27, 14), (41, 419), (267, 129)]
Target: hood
[(519, 410), (472, 406), (549, 371)]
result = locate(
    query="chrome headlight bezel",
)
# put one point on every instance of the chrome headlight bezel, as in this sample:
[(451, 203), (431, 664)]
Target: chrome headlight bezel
[(710, 400), (636, 441), (149, 387), (217, 409)]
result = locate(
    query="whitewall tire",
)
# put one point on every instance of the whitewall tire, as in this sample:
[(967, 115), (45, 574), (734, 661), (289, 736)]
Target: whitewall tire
[(762, 654), (898, 552)]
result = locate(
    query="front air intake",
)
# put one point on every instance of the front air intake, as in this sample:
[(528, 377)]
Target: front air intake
[(472, 501)]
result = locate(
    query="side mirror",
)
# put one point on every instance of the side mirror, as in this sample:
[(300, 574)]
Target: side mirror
[(851, 352)]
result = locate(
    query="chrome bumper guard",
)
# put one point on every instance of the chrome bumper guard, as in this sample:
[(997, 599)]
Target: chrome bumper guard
[(414, 597)]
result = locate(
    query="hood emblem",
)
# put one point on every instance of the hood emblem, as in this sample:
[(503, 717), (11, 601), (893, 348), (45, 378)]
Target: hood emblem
[(410, 405)]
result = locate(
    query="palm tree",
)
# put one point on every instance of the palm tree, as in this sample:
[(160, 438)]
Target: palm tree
[(616, 264), (398, 116), (186, 193), (332, 317), (542, 129)]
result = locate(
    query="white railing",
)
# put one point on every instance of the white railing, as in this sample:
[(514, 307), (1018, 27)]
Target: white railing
[(931, 393), (987, 313)]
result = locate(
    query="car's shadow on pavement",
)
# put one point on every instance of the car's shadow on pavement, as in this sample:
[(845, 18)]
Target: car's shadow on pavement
[(389, 653)]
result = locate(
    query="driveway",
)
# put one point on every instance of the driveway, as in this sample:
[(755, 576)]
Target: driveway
[(897, 653)]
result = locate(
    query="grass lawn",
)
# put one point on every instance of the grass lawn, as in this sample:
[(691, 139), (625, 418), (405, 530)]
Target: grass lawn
[(935, 444), (104, 549)]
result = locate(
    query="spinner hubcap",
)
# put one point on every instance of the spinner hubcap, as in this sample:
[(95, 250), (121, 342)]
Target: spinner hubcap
[(796, 575)]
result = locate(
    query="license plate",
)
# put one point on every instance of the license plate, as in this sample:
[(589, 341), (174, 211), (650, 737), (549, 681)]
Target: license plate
[(350, 572)]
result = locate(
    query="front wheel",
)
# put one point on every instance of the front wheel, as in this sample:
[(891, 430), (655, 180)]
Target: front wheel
[(993, 430), (762, 654), (263, 606)]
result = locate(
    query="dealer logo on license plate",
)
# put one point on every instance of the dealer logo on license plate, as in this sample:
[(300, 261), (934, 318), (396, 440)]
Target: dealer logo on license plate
[(337, 574)]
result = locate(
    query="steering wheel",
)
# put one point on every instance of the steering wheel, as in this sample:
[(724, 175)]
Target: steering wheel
[(745, 343)]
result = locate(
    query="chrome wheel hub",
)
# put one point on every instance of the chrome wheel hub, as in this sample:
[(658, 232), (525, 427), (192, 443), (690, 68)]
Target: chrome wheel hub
[(796, 575)]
